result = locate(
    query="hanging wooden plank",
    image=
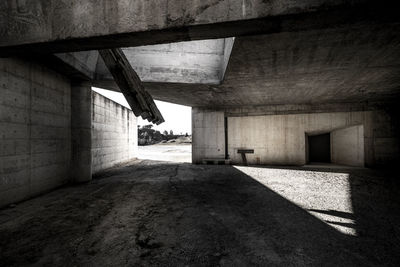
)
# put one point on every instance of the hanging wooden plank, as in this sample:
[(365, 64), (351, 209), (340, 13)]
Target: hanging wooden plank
[(140, 101)]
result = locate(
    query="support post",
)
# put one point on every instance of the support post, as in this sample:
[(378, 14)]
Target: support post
[(81, 132), (226, 136)]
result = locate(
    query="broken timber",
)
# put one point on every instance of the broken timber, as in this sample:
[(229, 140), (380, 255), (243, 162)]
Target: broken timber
[(140, 101)]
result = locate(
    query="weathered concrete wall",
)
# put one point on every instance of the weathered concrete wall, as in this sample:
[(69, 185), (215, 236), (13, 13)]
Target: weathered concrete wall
[(347, 146), (114, 133), (46, 131), (208, 139), (35, 146), (280, 139)]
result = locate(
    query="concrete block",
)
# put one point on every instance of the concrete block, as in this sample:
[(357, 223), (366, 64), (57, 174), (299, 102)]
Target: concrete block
[(12, 131), (13, 115), (12, 164), (52, 145), (13, 147), (47, 105), (14, 99), (347, 146), (48, 132), (49, 158), (50, 119)]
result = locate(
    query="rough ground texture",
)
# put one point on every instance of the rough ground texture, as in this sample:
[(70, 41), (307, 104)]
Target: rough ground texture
[(167, 214), (166, 152)]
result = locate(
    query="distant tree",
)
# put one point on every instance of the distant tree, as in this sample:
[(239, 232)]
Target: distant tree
[(186, 135), (165, 132), (171, 132), (148, 126)]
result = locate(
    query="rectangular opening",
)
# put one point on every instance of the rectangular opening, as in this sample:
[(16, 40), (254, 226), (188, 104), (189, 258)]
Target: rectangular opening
[(170, 141), (319, 148)]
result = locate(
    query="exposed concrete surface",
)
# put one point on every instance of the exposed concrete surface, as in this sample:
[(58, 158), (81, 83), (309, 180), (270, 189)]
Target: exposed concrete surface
[(166, 152), (80, 25), (208, 135), (84, 62), (114, 133), (81, 132), (46, 131), (280, 139), (35, 130), (159, 214), (347, 146), (341, 64), (202, 62)]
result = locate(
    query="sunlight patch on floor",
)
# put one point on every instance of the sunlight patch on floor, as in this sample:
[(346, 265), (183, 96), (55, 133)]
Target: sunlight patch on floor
[(324, 195), (170, 153)]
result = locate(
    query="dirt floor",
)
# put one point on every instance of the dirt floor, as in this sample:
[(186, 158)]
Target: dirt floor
[(168, 214), (167, 152)]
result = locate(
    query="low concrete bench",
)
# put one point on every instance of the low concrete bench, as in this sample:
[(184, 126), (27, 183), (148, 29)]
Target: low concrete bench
[(216, 161), (244, 152)]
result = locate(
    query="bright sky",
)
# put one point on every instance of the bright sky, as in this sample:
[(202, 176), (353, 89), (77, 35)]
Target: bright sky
[(178, 118)]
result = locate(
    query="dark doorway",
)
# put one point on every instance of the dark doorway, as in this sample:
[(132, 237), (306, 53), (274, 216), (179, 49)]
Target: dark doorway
[(319, 148)]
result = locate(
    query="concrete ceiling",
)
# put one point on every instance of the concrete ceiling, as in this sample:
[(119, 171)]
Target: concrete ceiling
[(196, 62), (302, 60), (353, 64), (343, 64), (286, 51)]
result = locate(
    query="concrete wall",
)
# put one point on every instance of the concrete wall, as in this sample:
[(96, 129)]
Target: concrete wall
[(347, 146), (280, 139), (114, 133), (207, 135), (46, 131), (81, 131), (35, 136)]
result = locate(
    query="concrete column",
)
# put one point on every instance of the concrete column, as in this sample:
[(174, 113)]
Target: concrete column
[(81, 127), (208, 131)]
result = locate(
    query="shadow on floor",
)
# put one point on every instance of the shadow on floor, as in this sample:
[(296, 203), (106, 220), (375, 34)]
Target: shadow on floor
[(156, 213)]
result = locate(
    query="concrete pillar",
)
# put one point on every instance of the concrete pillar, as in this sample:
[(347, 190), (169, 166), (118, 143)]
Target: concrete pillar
[(208, 131), (81, 127)]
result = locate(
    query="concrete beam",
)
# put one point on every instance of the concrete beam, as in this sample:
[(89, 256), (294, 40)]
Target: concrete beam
[(128, 81), (50, 26)]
